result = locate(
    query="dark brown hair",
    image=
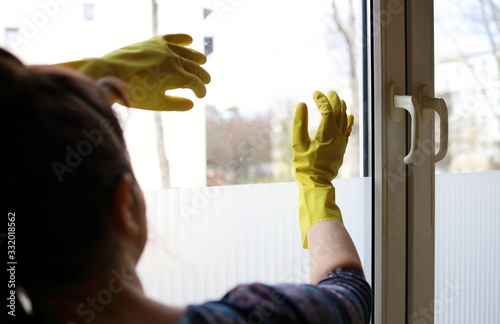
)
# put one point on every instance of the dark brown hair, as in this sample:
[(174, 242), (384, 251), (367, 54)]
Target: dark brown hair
[(65, 153)]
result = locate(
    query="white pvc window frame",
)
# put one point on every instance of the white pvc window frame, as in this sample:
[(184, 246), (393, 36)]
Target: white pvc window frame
[(403, 210)]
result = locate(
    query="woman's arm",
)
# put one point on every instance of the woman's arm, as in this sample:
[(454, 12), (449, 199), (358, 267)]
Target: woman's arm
[(330, 247), (316, 163)]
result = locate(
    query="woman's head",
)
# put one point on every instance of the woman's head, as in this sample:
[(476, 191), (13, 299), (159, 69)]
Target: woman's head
[(65, 158)]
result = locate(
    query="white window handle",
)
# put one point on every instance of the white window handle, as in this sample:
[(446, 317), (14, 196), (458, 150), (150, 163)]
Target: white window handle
[(397, 103), (430, 105)]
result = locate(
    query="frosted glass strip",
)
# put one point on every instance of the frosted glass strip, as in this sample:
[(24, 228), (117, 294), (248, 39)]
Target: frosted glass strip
[(467, 249), (204, 241)]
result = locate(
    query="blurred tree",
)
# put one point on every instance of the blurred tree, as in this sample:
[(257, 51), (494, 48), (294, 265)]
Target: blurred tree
[(238, 148), (342, 40), (281, 140)]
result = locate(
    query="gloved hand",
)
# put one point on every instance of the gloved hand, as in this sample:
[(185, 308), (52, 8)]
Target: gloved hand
[(317, 161), (151, 67)]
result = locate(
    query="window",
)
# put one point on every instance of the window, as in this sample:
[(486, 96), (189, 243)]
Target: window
[(209, 45), (88, 11), (228, 213), (467, 36), (11, 37)]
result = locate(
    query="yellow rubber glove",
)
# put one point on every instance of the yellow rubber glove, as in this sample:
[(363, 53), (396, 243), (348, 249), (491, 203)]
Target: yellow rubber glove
[(150, 68), (317, 161)]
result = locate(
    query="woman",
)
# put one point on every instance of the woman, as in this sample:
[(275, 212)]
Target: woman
[(82, 217)]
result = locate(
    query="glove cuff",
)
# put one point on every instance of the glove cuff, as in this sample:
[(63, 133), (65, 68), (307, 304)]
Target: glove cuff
[(316, 204), (91, 67)]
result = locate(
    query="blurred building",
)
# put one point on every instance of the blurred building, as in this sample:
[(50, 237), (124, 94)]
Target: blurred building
[(471, 87), (51, 31)]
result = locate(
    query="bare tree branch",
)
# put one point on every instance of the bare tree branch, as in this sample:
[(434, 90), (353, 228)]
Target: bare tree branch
[(465, 58), (489, 32), (347, 32)]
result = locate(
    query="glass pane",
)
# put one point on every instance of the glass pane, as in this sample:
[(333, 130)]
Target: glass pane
[(467, 67), (467, 58), (261, 73), (240, 132), (205, 240)]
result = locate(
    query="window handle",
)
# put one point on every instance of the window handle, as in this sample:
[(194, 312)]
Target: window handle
[(397, 104), (431, 104)]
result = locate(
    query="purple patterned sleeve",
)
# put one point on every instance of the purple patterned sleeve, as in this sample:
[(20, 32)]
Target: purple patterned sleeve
[(343, 296)]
